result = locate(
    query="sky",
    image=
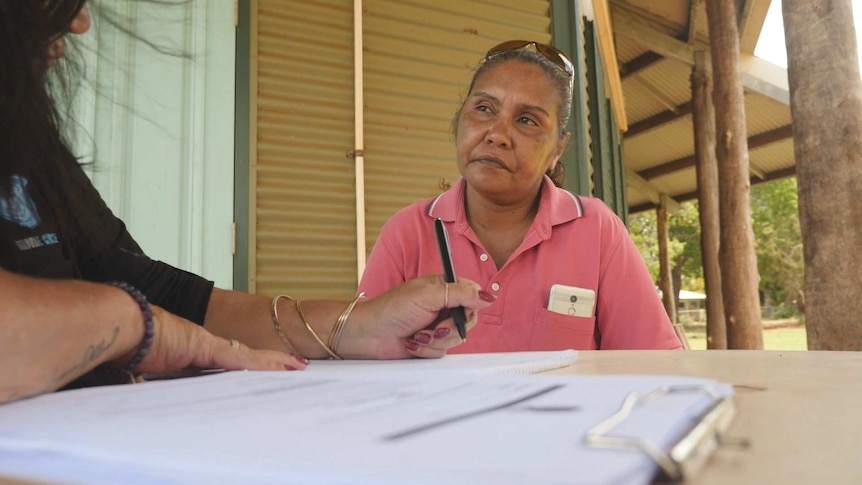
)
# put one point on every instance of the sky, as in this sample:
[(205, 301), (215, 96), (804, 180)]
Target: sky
[(770, 45)]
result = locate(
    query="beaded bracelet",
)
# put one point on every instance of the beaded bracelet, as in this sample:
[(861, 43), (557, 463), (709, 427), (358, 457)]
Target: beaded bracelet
[(149, 325), (338, 329)]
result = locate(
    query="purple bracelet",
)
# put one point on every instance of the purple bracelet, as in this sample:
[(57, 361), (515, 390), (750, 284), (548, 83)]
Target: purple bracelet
[(149, 326)]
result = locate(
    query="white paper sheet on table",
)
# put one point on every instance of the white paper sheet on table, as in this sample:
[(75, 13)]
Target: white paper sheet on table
[(321, 428), (502, 362)]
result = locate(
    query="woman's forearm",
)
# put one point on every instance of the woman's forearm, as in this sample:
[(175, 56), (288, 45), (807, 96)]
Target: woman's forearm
[(55, 331), (248, 318)]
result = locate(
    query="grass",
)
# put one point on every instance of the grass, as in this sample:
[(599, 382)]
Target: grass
[(785, 338)]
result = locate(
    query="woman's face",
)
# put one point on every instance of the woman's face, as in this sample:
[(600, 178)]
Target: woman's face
[(80, 24), (507, 135)]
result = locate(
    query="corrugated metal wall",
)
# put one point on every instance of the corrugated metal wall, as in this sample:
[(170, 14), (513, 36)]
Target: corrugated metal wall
[(418, 58), (304, 212)]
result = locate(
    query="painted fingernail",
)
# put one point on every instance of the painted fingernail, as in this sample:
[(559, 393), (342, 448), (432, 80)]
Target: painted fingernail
[(410, 345), (289, 367), (300, 358), (442, 332), (422, 338), (486, 296)]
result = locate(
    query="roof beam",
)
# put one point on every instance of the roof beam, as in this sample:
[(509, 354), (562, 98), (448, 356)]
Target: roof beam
[(758, 75), (683, 163), (776, 175), (752, 16), (658, 120), (639, 63), (653, 194), (693, 8), (605, 32), (656, 93)]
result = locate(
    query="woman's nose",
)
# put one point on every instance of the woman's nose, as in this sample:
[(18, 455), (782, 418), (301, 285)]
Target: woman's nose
[(81, 22), (498, 134)]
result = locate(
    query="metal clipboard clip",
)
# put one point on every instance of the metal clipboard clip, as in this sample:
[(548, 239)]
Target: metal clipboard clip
[(688, 454)]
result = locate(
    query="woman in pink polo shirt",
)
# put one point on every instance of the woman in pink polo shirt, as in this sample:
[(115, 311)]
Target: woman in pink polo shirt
[(564, 269)]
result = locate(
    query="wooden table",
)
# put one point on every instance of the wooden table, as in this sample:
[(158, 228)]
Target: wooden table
[(801, 411)]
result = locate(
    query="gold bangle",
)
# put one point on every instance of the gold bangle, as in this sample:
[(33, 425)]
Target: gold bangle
[(313, 333), (338, 329), (283, 336)]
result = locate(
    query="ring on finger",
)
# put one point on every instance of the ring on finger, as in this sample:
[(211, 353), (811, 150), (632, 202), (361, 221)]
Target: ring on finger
[(446, 296), (234, 344)]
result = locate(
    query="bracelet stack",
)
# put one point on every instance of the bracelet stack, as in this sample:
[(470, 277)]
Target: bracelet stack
[(149, 325), (338, 329), (334, 336), (283, 336), (328, 350)]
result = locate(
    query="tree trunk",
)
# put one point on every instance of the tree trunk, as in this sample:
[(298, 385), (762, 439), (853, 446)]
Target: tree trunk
[(665, 282), (703, 118), (739, 279), (826, 104)]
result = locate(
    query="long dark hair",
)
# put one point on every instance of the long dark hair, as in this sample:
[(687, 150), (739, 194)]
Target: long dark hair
[(31, 139)]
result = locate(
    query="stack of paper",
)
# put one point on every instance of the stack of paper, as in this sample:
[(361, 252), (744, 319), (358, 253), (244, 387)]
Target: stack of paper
[(326, 427)]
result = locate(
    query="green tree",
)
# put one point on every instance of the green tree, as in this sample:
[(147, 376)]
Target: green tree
[(683, 232), (778, 241), (684, 229)]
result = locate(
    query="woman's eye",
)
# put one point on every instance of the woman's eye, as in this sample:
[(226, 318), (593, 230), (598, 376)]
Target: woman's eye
[(483, 108), (527, 121)]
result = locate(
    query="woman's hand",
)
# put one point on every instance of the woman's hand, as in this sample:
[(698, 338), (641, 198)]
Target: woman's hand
[(412, 319), (179, 343)]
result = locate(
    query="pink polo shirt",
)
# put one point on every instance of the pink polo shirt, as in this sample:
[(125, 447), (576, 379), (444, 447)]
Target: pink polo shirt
[(574, 241)]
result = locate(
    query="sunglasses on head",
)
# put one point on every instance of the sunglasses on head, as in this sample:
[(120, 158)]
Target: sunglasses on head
[(548, 52)]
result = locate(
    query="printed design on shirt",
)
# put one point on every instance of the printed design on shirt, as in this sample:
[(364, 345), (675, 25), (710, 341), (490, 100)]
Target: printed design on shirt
[(34, 242), (16, 205)]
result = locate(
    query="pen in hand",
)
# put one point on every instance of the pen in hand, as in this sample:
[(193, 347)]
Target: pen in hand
[(449, 273)]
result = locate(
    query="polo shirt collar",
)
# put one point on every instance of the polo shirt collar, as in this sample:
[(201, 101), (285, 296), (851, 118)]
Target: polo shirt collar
[(556, 206)]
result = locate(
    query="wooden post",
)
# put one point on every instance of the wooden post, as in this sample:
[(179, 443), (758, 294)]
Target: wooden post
[(665, 280), (826, 104), (703, 119), (739, 278)]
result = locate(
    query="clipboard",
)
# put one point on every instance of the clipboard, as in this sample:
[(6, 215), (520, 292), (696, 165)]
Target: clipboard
[(687, 455)]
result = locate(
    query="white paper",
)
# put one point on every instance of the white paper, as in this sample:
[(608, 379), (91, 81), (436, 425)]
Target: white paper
[(376, 428), (502, 363)]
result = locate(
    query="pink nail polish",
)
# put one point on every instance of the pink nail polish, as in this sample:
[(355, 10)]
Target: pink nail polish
[(422, 338), (486, 296), (300, 358), (442, 332), (410, 345), (289, 367)]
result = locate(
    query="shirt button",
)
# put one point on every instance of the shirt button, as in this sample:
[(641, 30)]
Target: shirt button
[(495, 287), (483, 258)]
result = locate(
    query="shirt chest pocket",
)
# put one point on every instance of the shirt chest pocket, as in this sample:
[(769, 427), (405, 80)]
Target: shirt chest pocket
[(555, 331)]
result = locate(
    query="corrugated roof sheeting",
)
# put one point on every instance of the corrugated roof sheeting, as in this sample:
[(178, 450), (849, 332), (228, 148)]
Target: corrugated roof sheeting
[(670, 77), (679, 182), (764, 114), (305, 210), (775, 156), (675, 13), (640, 103), (419, 58), (626, 48), (659, 145)]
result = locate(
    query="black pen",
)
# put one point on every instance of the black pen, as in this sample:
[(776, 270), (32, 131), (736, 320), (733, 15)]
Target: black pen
[(449, 273)]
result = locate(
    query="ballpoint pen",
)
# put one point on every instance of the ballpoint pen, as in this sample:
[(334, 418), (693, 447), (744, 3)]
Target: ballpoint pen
[(449, 273)]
